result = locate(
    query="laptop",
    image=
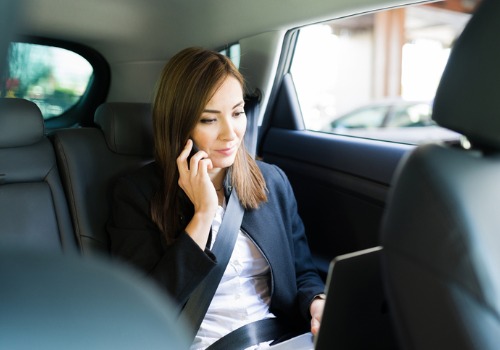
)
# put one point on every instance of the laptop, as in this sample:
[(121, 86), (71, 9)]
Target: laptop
[(356, 314)]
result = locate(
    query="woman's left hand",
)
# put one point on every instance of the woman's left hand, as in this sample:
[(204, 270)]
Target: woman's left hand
[(316, 310)]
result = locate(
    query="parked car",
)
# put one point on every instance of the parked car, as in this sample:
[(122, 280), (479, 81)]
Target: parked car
[(392, 120)]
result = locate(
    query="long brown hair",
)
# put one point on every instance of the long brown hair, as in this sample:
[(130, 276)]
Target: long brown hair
[(187, 83)]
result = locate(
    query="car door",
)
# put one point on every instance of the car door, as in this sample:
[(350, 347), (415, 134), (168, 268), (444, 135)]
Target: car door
[(341, 182)]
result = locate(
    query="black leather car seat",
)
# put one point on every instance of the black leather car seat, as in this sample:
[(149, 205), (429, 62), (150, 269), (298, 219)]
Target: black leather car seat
[(33, 206), (90, 160), (441, 230)]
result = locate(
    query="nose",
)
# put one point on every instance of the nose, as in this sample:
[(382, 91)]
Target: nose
[(226, 132)]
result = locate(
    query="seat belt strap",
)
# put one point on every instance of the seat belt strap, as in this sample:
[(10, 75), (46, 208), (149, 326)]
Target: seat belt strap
[(197, 305), (252, 109), (252, 334)]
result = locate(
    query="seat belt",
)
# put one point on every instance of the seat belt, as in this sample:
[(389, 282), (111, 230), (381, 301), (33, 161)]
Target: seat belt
[(255, 333), (197, 305), (252, 109)]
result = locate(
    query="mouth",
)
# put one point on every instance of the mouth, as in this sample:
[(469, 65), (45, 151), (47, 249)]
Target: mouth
[(227, 151)]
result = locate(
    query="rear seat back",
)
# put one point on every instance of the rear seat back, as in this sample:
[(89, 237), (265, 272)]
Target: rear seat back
[(33, 208), (90, 160)]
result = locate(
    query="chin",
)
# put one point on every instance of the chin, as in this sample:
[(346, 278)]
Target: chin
[(223, 163)]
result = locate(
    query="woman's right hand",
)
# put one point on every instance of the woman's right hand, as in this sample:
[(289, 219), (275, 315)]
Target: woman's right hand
[(195, 182)]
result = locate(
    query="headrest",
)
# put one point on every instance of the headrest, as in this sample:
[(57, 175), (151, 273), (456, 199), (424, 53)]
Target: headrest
[(468, 94), (67, 302), (21, 123), (128, 127)]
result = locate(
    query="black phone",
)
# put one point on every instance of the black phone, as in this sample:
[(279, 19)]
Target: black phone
[(194, 150)]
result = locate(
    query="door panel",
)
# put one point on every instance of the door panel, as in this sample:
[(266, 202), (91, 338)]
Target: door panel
[(340, 182)]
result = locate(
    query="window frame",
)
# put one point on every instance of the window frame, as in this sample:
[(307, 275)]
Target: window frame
[(286, 61), (82, 112)]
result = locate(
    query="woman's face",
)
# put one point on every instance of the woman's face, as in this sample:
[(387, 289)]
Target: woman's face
[(221, 127)]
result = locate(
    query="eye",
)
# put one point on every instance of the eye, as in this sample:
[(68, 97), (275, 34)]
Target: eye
[(208, 120), (239, 113)]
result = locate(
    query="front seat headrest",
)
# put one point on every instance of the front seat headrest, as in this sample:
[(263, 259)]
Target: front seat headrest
[(467, 99), (64, 301), (21, 123), (127, 126)]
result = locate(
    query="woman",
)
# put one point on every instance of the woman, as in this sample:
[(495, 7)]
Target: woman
[(166, 216)]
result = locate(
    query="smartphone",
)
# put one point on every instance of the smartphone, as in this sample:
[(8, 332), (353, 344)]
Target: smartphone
[(194, 150)]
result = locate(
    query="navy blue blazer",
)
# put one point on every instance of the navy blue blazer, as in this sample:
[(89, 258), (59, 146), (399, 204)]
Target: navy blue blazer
[(275, 227)]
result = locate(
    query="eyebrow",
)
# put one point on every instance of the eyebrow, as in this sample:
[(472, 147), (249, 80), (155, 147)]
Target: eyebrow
[(216, 111)]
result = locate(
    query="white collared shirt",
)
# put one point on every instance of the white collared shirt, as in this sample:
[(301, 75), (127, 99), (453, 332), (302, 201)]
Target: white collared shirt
[(243, 295)]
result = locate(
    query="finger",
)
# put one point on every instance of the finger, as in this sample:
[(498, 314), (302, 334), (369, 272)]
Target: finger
[(314, 326), (187, 149), (204, 165), (181, 160), (196, 161)]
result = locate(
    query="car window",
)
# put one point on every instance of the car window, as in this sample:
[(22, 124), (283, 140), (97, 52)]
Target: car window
[(233, 51), (52, 77), (344, 70), (411, 115), (371, 117)]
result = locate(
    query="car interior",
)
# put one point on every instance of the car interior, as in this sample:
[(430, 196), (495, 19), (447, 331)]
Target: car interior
[(429, 208)]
